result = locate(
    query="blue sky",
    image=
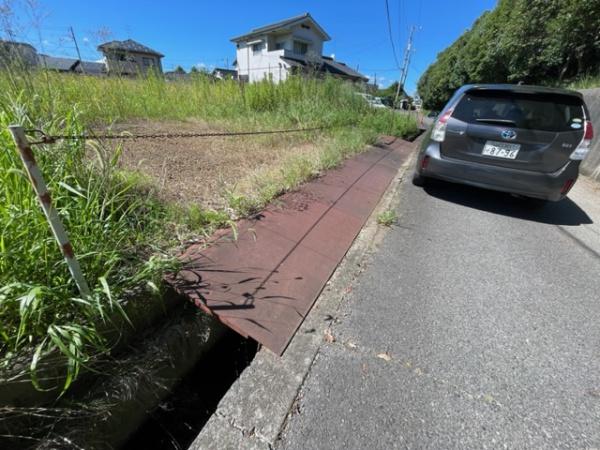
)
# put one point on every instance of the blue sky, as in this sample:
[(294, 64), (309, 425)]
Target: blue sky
[(198, 32)]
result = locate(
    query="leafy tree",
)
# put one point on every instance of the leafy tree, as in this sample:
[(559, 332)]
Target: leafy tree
[(535, 41), (179, 70)]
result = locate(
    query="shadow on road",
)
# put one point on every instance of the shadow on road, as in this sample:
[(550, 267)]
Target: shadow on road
[(565, 212)]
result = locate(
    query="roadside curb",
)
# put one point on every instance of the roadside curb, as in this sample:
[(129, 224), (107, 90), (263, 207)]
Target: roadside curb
[(255, 409)]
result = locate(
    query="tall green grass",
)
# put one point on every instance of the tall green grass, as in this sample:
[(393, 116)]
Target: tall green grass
[(116, 224), (586, 82)]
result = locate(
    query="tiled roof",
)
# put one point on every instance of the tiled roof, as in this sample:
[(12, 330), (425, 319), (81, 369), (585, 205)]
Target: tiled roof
[(92, 67), (56, 63), (328, 65), (70, 64), (16, 44), (281, 24), (343, 68), (129, 46)]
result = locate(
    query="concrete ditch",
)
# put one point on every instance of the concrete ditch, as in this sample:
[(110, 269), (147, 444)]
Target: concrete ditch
[(105, 410), (139, 388)]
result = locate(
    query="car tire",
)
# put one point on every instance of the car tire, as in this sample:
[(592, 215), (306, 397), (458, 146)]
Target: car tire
[(419, 180)]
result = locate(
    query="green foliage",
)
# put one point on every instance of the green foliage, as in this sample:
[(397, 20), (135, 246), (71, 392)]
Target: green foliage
[(117, 226), (111, 223), (389, 93), (387, 218), (534, 41)]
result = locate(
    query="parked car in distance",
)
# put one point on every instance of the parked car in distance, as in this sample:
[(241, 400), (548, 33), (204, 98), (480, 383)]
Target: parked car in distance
[(374, 102), (525, 140)]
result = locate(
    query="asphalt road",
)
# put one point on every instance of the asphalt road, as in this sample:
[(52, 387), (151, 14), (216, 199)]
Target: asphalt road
[(489, 314)]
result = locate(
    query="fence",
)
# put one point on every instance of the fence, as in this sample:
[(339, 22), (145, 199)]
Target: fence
[(24, 145)]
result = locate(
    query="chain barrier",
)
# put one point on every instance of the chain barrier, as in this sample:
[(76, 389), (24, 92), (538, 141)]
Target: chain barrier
[(44, 138)]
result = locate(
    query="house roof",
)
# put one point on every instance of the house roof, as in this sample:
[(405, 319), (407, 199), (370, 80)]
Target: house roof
[(328, 65), (224, 71), (283, 24), (129, 46), (341, 68), (70, 64), (92, 67), (57, 63), (16, 44)]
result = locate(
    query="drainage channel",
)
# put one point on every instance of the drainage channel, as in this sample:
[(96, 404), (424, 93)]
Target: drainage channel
[(178, 419)]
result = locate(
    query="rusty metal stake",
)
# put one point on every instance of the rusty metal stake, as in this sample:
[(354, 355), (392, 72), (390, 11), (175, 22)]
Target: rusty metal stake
[(40, 188)]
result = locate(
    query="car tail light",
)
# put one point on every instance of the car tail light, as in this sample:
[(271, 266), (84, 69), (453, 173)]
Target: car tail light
[(567, 186), (439, 129), (425, 162), (584, 146)]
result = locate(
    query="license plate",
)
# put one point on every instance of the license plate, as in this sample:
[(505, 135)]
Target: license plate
[(501, 149)]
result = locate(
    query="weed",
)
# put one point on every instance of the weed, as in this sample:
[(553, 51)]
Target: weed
[(119, 229), (387, 218)]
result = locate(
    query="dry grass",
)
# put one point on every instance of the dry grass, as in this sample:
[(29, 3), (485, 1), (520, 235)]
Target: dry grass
[(205, 171)]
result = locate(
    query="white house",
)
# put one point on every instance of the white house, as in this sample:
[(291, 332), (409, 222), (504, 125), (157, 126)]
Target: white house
[(291, 45)]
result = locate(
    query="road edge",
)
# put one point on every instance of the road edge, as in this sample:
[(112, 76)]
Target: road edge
[(254, 411)]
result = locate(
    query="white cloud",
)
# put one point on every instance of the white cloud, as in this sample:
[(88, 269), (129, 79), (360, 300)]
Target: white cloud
[(86, 40), (203, 66)]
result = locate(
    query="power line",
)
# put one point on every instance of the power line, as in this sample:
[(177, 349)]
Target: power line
[(389, 23)]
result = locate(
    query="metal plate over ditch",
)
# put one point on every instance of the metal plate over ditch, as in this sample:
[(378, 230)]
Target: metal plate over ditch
[(264, 283)]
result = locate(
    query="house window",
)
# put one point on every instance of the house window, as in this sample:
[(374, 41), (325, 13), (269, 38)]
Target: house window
[(300, 48), (279, 45), (257, 48), (148, 62), (121, 56)]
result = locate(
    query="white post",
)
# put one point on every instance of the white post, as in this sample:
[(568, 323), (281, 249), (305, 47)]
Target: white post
[(40, 188)]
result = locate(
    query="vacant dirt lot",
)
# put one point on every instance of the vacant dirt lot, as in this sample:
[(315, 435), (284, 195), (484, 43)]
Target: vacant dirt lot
[(203, 170)]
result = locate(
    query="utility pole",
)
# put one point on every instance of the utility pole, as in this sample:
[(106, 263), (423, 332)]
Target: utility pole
[(77, 48), (405, 65)]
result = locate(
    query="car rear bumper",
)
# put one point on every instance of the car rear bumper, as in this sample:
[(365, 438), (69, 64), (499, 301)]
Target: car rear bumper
[(547, 186)]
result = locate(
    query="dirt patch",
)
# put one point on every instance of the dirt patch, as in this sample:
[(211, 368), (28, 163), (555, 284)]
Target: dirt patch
[(203, 170)]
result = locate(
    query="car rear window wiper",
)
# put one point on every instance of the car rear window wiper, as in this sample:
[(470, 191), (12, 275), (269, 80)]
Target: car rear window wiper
[(501, 121)]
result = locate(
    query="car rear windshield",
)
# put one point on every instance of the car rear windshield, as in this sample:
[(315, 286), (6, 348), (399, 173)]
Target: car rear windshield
[(546, 112)]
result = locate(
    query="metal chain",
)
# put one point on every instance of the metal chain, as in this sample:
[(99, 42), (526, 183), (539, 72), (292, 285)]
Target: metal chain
[(51, 139)]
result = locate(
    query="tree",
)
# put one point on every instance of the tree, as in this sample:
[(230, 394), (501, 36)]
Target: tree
[(535, 41), (179, 70)]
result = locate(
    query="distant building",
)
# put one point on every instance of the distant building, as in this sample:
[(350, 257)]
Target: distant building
[(72, 65), (224, 74), (176, 75), (130, 58), (17, 53), (293, 45), (92, 67)]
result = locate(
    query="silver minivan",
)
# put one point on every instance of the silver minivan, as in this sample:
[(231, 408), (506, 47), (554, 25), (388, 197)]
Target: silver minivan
[(525, 140)]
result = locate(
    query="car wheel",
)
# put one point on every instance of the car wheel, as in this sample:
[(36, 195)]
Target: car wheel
[(419, 180)]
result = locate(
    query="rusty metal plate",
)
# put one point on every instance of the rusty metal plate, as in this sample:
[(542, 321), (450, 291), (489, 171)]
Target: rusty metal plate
[(264, 283)]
